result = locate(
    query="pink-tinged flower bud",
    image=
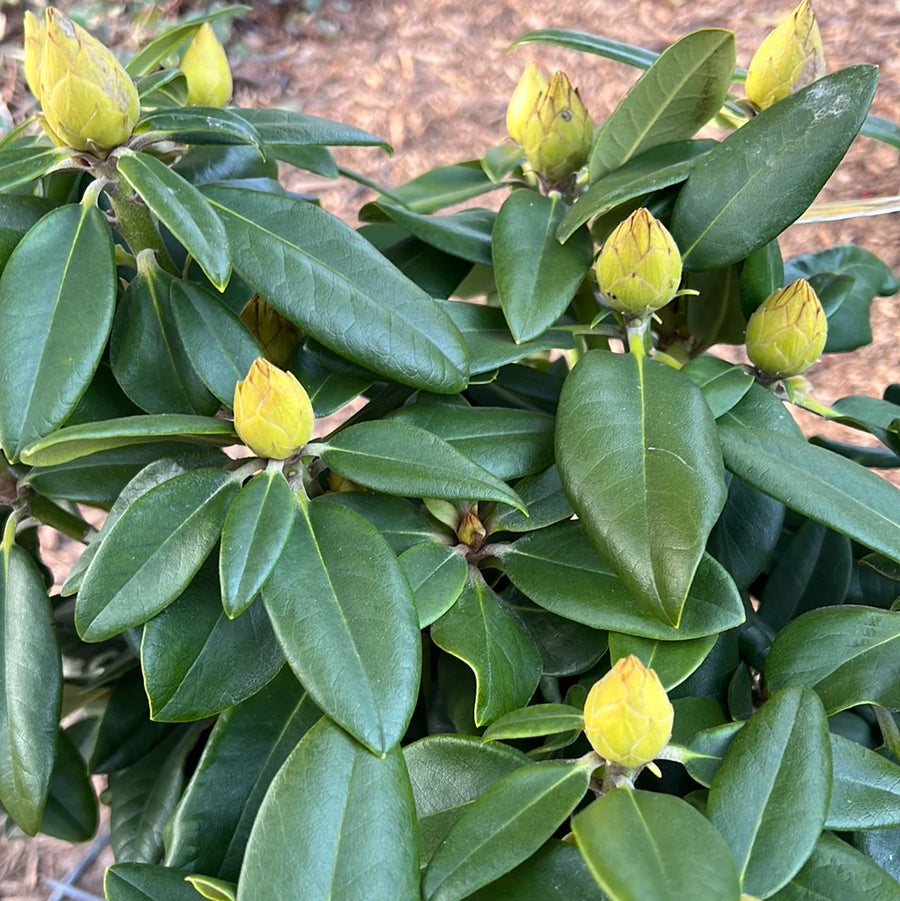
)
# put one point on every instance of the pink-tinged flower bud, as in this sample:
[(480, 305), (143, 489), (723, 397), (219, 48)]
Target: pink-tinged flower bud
[(639, 268), (206, 70), (789, 58), (558, 131), (272, 412), (787, 333), (627, 715), (523, 100), (88, 101)]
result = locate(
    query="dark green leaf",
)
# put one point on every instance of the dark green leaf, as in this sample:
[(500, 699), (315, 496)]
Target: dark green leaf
[(21, 165), (328, 390), (479, 630), (71, 813), (339, 821), (590, 43), (545, 500), (762, 272), (289, 128), (765, 174), (837, 872), (722, 384), (188, 654), (624, 452), (346, 618), (146, 882), (508, 443), (537, 277), (247, 746), (847, 655), (882, 130), (218, 345), (147, 355), (18, 213), (30, 687), (402, 459), (681, 91), (354, 301), (643, 846), (78, 441), (199, 125), (255, 532), (878, 417), (703, 753), (503, 827), (536, 720), (57, 295), (866, 789), (561, 570), (207, 165), (445, 186), (762, 444), (673, 661), (770, 794), (436, 574), (212, 888), (152, 552), (183, 210)]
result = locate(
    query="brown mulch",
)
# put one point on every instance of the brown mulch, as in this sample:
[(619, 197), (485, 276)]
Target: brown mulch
[(433, 78)]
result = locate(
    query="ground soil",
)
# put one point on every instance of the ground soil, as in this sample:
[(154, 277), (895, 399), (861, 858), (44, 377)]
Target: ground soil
[(433, 78)]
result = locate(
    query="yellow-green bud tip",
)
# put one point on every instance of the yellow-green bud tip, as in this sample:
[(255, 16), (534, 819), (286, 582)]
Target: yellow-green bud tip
[(787, 333), (206, 70), (639, 268), (272, 412), (558, 131), (89, 102), (523, 100), (789, 58), (627, 715)]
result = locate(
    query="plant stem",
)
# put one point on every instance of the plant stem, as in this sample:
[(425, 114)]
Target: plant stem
[(51, 514), (890, 732), (135, 224)]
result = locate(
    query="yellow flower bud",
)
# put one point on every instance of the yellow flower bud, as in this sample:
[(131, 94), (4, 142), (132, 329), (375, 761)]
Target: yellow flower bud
[(206, 70), (639, 268), (627, 715), (787, 333), (272, 412), (89, 101), (277, 336), (523, 100), (558, 131), (790, 58), (34, 46)]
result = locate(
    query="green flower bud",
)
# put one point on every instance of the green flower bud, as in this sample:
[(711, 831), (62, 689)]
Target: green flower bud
[(790, 58), (558, 131), (206, 70), (787, 333), (627, 715), (272, 412), (523, 100), (89, 101), (277, 336), (639, 268), (35, 33)]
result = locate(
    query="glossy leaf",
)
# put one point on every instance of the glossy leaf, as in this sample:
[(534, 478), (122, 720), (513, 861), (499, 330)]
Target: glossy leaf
[(590, 43), (213, 889), (183, 210), (479, 630), (847, 655), (653, 170), (348, 629), (643, 846), (30, 688), (146, 882), (199, 125), (866, 789), (397, 458), (673, 661), (189, 650), (764, 175), (681, 91), (289, 128), (19, 166), (770, 795), (18, 213), (77, 441), (152, 552), (762, 445), (338, 822), (436, 575), (503, 827), (328, 390), (535, 720), (536, 276), (354, 302), (246, 747), (219, 346), (722, 385), (255, 532), (506, 442), (624, 453), (54, 309), (561, 570), (837, 872), (445, 186), (545, 500)]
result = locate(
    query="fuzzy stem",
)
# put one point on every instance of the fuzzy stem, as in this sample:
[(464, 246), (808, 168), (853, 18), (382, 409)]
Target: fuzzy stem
[(135, 224)]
